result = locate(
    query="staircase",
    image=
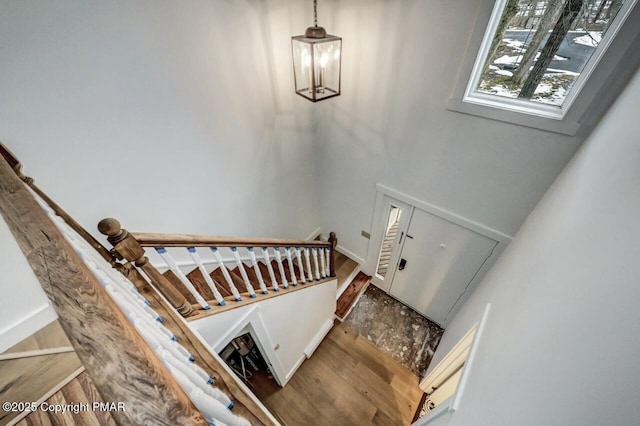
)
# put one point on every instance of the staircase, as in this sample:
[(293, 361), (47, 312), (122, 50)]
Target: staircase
[(125, 317), (223, 273)]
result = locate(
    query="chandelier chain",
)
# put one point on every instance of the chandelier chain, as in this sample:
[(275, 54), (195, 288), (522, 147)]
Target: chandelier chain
[(315, 13)]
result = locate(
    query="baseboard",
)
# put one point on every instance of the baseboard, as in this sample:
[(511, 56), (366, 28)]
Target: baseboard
[(294, 369), (314, 234), (311, 347), (318, 338), (26, 327), (351, 255)]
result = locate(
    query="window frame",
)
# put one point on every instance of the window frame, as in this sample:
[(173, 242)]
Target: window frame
[(619, 57)]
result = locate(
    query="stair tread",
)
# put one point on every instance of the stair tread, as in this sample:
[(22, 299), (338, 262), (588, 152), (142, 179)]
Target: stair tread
[(351, 293), (198, 281), (218, 277)]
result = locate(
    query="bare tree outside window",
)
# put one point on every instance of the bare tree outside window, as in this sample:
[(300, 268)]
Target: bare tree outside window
[(541, 47)]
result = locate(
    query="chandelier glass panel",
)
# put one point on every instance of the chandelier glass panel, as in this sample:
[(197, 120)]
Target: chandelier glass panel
[(316, 62)]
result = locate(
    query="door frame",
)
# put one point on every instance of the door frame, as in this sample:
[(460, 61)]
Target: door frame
[(379, 220)]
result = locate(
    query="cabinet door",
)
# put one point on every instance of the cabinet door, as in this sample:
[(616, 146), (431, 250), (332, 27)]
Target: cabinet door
[(439, 259)]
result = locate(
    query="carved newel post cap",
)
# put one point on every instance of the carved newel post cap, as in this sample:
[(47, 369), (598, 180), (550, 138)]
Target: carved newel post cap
[(109, 227)]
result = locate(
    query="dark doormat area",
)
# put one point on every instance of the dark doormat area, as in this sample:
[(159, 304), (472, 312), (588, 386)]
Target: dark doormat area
[(396, 329)]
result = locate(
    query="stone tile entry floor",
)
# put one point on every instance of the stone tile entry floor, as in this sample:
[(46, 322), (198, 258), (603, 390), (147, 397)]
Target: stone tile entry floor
[(396, 329)]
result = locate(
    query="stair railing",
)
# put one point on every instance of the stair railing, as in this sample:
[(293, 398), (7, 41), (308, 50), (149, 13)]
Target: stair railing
[(136, 349), (119, 362), (243, 267)]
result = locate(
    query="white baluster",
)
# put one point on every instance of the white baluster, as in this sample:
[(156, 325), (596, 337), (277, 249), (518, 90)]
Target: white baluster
[(157, 341), (200, 264), (327, 270), (272, 275), (276, 250), (195, 374), (294, 280), (322, 267), (299, 258), (314, 250), (308, 262), (182, 277), (225, 272), (127, 306), (133, 317), (103, 277), (256, 269), (213, 410), (243, 273)]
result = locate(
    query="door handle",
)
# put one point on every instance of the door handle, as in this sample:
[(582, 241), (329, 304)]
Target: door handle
[(402, 264)]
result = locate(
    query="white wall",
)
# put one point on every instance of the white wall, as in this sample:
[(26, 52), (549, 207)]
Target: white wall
[(401, 60), (294, 321), (24, 307), (171, 116), (561, 342)]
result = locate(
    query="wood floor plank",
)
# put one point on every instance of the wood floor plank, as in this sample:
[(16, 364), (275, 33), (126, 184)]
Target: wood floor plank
[(364, 378), (28, 379), (337, 386)]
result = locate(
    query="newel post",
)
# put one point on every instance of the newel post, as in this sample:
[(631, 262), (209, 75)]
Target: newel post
[(128, 247), (332, 264)]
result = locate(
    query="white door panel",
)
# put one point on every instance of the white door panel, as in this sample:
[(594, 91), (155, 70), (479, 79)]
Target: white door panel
[(442, 258)]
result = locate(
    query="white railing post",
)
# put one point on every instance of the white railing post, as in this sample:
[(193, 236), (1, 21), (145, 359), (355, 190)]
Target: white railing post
[(276, 250), (245, 278), (303, 280), (272, 275), (294, 280), (182, 277), (225, 272), (322, 263), (327, 255), (256, 269), (198, 261), (308, 262), (314, 250)]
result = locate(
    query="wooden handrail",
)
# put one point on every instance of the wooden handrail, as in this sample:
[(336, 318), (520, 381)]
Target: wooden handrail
[(186, 240), (120, 363), (14, 163), (128, 248)]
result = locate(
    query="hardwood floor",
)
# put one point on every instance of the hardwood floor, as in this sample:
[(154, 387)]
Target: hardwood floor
[(347, 381), (30, 378), (80, 393)]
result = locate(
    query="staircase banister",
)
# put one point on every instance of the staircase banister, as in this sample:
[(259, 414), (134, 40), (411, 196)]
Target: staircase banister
[(121, 365), (15, 164), (186, 240)]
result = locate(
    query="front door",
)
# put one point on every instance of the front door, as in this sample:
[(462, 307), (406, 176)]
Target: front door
[(437, 261)]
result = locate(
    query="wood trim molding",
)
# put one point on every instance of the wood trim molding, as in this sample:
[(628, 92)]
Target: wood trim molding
[(38, 352), (186, 240)]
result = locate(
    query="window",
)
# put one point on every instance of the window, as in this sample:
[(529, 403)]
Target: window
[(537, 55)]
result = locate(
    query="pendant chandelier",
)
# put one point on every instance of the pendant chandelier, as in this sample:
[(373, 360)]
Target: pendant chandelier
[(316, 62)]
